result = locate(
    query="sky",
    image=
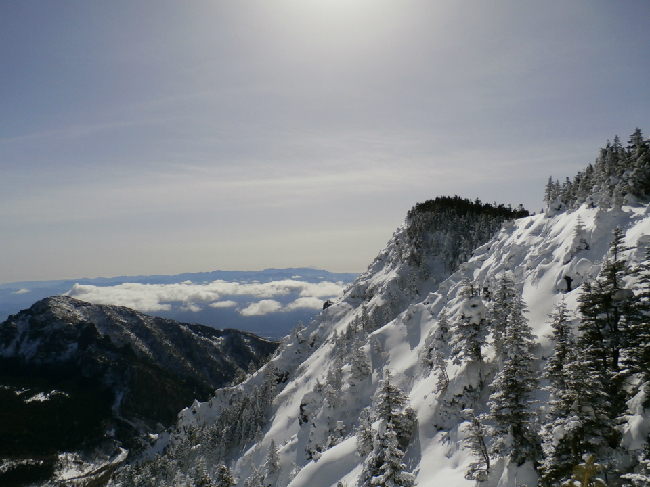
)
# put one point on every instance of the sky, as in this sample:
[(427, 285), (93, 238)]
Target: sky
[(161, 137)]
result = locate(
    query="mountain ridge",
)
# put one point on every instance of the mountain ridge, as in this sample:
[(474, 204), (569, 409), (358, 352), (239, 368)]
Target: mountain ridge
[(79, 377), (320, 405)]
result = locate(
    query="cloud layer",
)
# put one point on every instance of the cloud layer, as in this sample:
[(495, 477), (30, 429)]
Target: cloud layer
[(249, 299)]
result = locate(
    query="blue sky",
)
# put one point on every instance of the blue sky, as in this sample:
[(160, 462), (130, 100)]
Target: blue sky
[(158, 137)]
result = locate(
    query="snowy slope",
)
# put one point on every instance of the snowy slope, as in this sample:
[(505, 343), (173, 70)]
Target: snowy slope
[(314, 427)]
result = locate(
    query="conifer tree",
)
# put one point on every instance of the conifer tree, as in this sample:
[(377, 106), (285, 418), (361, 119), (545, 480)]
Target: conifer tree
[(564, 344), (582, 423), (617, 172), (502, 302), (440, 352), (637, 355), (364, 432), (559, 365), (605, 308), (476, 441), (395, 422), (384, 467), (269, 388), (200, 478), (513, 434), (334, 382), (255, 479), (224, 477), (272, 463), (579, 232), (469, 330), (551, 191), (360, 365), (390, 404), (367, 320)]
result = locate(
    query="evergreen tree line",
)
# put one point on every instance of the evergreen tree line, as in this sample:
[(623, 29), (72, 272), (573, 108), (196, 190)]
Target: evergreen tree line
[(592, 374), (452, 228), (589, 377), (617, 172), (198, 457)]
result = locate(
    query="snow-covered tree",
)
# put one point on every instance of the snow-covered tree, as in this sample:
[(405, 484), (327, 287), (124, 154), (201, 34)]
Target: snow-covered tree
[(224, 477), (367, 319), (441, 352), (334, 382), (580, 421), (359, 363), (389, 427), (469, 332), (364, 432), (617, 173), (510, 401), (390, 404), (551, 191), (383, 466), (606, 307), (272, 463), (295, 470), (580, 235), (437, 350), (502, 303), (476, 440), (255, 479), (200, 478), (564, 344), (636, 357)]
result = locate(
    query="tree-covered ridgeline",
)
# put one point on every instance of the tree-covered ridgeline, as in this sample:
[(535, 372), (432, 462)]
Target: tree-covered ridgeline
[(620, 174), (463, 206), (452, 228)]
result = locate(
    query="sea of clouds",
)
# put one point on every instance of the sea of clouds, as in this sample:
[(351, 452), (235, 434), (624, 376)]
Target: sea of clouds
[(248, 299)]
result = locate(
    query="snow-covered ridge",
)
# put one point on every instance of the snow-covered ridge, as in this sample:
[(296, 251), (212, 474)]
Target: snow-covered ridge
[(322, 388)]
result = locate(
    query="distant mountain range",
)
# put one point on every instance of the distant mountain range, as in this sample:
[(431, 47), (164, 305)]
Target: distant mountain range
[(289, 305), (78, 377)]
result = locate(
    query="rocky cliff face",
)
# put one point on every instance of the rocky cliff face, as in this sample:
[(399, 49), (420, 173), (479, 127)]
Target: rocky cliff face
[(81, 377)]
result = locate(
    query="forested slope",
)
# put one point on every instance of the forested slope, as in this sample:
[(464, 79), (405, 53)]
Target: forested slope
[(508, 369)]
